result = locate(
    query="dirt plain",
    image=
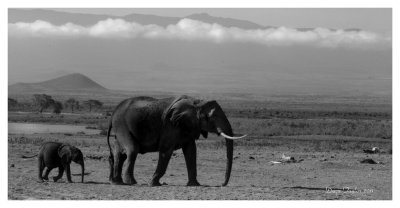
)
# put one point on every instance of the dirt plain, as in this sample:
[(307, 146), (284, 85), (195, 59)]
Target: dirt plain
[(327, 135), (331, 172)]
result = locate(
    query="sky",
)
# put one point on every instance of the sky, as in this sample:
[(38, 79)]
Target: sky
[(373, 19), (198, 56)]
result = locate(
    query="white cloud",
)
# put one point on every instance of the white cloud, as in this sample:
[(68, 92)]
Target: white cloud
[(192, 30)]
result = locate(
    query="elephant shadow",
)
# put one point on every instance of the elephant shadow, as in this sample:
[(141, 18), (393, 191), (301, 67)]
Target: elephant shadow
[(96, 182), (147, 185)]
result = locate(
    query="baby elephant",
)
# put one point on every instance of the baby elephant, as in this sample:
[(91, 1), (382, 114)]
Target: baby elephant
[(58, 155)]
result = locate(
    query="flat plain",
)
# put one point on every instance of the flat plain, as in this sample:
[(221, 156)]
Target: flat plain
[(326, 139)]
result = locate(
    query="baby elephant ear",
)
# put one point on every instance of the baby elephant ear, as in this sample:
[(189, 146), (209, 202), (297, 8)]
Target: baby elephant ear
[(65, 153)]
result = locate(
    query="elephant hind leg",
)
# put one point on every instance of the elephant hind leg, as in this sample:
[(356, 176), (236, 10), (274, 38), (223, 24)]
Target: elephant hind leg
[(111, 163), (131, 155), (118, 163), (40, 167), (46, 174), (117, 168)]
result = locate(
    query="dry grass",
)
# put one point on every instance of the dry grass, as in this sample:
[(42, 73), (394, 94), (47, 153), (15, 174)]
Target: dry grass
[(97, 144), (256, 127), (290, 127)]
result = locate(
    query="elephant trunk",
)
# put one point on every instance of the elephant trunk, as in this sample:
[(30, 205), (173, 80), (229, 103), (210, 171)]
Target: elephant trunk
[(229, 150), (229, 156), (83, 170)]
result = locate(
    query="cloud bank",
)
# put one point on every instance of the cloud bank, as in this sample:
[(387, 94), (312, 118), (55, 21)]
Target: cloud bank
[(192, 30)]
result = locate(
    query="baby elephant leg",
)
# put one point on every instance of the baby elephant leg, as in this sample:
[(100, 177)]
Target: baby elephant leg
[(68, 172), (60, 174), (40, 167), (46, 174)]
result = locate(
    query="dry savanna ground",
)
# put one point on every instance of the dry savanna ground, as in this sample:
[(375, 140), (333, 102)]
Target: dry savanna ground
[(325, 135), (329, 169)]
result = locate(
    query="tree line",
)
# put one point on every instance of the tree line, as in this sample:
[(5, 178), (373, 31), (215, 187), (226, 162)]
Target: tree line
[(41, 102)]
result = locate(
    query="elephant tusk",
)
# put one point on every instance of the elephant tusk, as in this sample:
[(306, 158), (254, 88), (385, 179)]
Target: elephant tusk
[(233, 138)]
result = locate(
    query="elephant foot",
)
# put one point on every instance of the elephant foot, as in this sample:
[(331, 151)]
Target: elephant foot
[(69, 181), (130, 181), (155, 183), (55, 179), (46, 178), (193, 183), (40, 180), (117, 182)]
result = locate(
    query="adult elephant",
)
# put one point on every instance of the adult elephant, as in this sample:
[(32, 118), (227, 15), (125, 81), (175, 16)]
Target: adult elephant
[(145, 124)]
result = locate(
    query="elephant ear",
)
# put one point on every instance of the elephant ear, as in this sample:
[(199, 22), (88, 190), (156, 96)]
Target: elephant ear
[(208, 108), (181, 113), (184, 115), (65, 153), (167, 112)]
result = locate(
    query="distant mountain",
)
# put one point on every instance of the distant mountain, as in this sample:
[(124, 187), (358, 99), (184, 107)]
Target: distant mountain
[(59, 18), (227, 22), (146, 19), (54, 17), (73, 82)]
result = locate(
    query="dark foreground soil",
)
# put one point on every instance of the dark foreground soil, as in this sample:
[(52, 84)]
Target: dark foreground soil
[(335, 174)]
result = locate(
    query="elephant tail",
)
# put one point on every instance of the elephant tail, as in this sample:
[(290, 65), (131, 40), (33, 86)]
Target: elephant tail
[(108, 140), (24, 156)]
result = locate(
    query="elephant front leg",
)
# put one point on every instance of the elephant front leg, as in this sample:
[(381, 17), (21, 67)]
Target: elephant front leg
[(189, 151), (163, 160), (60, 174), (68, 172)]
